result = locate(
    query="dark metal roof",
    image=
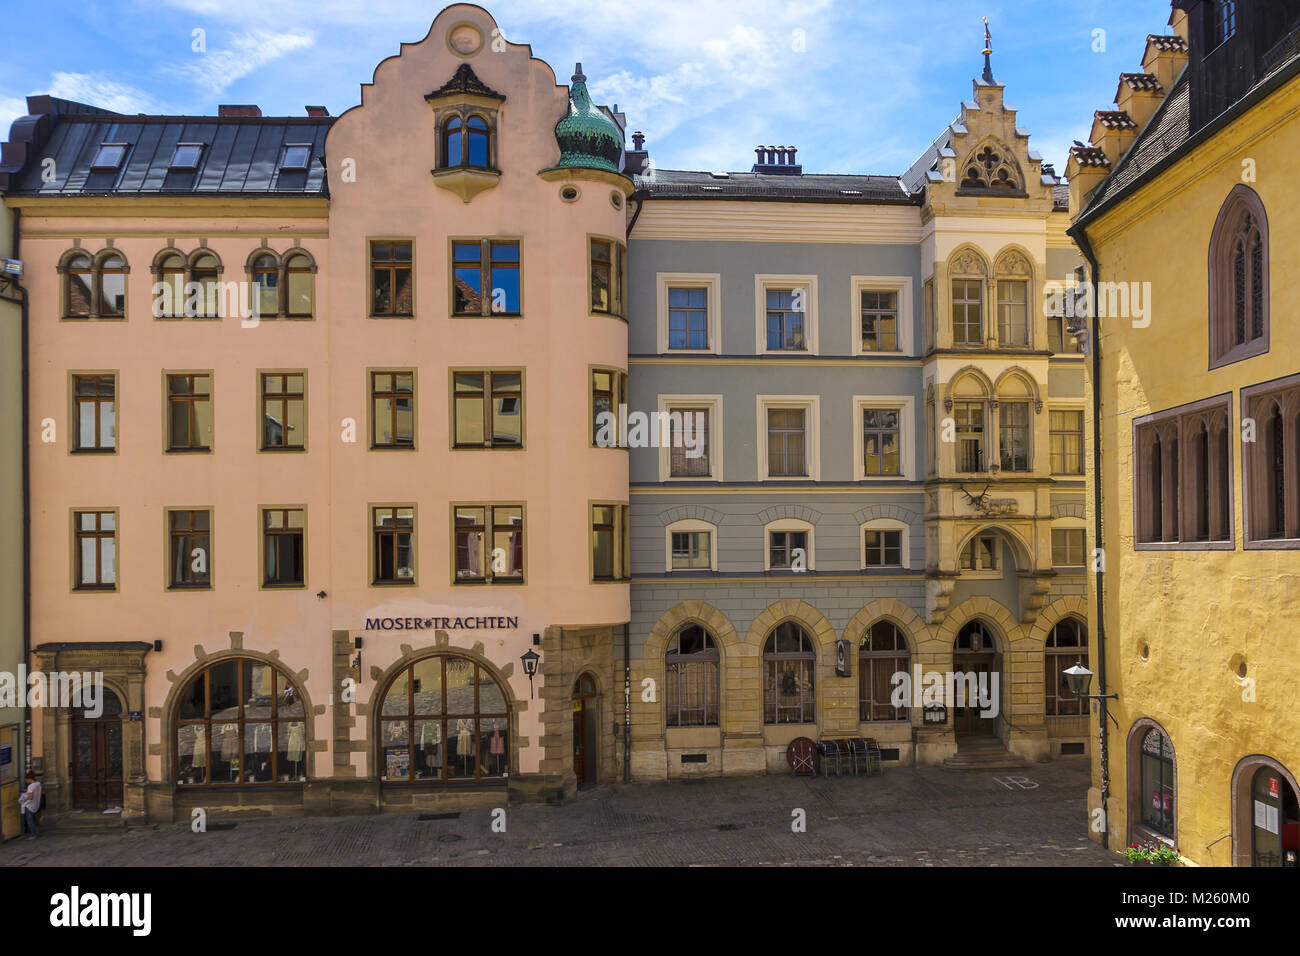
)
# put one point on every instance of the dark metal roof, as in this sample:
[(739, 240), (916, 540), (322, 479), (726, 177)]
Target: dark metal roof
[(809, 187), (240, 156)]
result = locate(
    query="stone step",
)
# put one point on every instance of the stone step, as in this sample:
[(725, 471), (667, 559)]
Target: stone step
[(88, 820), (983, 755)]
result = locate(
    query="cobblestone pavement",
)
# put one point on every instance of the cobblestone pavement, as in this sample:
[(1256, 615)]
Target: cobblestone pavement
[(907, 817)]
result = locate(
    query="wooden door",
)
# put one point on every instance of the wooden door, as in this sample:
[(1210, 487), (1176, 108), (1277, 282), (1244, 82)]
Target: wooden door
[(968, 720), (96, 763), (584, 730)]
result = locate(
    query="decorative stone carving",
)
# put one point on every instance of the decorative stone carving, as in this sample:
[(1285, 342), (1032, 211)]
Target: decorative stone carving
[(969, 263), (1013, 263)]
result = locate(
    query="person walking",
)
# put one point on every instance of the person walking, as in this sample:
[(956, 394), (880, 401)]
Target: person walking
[(30, 803)]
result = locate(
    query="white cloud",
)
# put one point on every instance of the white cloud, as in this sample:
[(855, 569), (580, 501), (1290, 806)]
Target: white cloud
[(218, 69), (11, 107), (95, 89)]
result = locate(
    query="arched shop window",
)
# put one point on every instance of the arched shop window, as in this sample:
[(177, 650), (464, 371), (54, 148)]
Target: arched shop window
[(788, 662), (691, 694), (1157, 793), (1067, 645), (240, 722), (882, 654), (444, 718)]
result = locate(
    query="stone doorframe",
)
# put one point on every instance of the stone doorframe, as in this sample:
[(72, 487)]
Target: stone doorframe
[(123, 669), (1243, 776)]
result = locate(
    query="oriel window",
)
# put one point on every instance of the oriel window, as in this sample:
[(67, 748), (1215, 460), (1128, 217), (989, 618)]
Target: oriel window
[(1013, 316), (1013, 435), (608, 395), (608, 277), (967, 312)]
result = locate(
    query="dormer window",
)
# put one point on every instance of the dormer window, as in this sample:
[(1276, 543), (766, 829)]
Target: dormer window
[(465, 116), (186, 156), (296, 156), (109, 157)]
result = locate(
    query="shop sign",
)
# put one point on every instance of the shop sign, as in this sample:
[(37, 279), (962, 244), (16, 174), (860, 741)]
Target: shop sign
[(441, 623)]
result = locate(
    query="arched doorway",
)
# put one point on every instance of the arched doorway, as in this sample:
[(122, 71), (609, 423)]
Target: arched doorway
[(96, 776), (584, 730), (1275, 820), (977, 681)]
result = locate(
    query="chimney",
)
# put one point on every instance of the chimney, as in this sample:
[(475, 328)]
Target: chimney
[(228, 110), (1165, 58), (317, 111), (1178, 21), (1088, 166), (635, 159), (1139, 96), (1113, 132), (776, 161)]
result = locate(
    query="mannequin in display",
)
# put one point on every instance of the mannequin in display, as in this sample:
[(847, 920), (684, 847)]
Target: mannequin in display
[(465, 743), (295, 749), (430, 745), (497, 747)]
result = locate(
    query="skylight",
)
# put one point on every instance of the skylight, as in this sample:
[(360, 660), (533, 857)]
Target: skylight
[(186, 156), (296, 156), (110, 156)]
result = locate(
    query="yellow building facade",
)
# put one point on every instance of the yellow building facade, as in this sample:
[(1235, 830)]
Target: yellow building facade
[(1186, 216)]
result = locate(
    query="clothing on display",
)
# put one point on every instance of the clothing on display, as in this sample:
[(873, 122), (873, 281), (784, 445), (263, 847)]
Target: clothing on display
[(464, 738), (296, 743), (498, 745)]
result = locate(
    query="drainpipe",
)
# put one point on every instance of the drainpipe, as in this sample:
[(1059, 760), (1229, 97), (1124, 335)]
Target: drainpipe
[(627, 703), (1080, 237), (26, 490), (640, 197)]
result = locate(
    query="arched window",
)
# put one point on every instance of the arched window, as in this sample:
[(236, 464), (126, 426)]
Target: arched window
[(1274, 835), (477, 134), (110, 286), (453, 149), (882, 654), (691, 694), (1239, 299), (240, 722), (265, 271), (444, 718), (991, 167), (1067, 645), (1275, 473), (76, 285), (789, 660), (1157, 787), (169, 288), (300, 286), (205, 273)]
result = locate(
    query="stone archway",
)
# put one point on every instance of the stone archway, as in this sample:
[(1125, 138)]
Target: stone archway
[(1245, 848)]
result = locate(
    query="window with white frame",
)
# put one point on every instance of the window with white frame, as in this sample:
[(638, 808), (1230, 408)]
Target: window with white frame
[(788, 437), (881, 307), (690, 546), (689, 312), (786, 314), (883, 543), (788, 545), (690, 437), (883, 426)]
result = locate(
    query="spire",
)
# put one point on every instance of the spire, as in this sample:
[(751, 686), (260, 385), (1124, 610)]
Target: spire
[(988, 52)]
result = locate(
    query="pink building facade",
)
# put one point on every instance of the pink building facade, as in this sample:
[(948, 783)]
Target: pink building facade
[(315, 534)]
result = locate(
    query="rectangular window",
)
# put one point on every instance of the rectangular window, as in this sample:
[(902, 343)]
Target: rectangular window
[(95, 550), (109, 156), (296, 156), (879, 321), (967, 312), (880, 442), (689, 436), (393, 529), (1067, 547), (981, 554), (391, 289), (782, 546), (691, 550), (485, 277), (884, 549), (284, 411), (611, 546), (189, 549), (608, 277), (489, 409), (186, 156), (1013, 436), (786, 443), (189, 412), (1013, 313), (688, 318), (785, 320), (392, 409), (1067, 442), (969, 417), (489, 543), (1058, 339), (608, 394), (283, 547), (94, 400)]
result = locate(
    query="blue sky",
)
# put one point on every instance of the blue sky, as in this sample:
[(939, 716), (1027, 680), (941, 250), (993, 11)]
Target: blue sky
[(859, 86)]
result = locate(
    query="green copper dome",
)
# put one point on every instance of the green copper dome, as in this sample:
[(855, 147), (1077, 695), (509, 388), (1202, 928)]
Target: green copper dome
[(588, 138)]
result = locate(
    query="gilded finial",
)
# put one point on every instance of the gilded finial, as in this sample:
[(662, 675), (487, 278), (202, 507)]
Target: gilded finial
[(988, 52)]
